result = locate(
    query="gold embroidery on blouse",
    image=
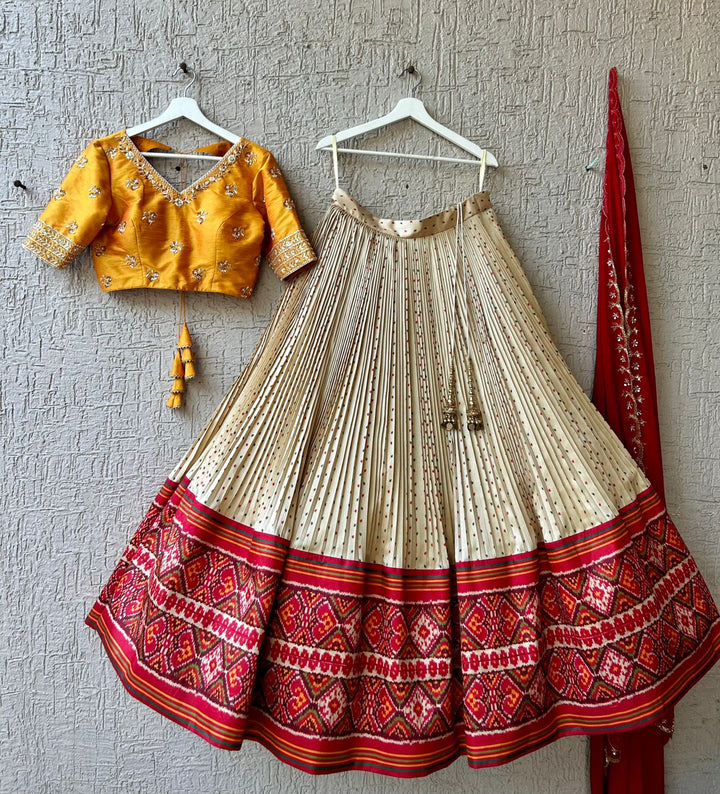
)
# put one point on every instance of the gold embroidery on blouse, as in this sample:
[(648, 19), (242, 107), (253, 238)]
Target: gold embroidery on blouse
[(94, 191), (158, 181), (176, 246), (51, 246), (290, 253)]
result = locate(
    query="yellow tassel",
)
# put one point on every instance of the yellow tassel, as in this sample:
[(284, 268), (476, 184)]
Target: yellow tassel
[(185, 340), (183, 367), (178, 374), (177, 371), (186, 354)]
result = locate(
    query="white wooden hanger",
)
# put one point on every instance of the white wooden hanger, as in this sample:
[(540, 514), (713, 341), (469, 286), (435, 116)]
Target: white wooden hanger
[(184, 107), (410, 108)]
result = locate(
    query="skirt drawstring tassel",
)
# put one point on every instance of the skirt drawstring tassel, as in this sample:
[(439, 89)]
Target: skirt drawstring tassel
[(474, 417), (449, 419), (449, 412)]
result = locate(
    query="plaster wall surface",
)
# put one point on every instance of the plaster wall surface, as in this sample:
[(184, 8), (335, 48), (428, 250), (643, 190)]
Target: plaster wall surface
[(86, 438)]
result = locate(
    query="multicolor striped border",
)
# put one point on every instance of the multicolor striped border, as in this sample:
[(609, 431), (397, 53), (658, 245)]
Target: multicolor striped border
[(412, 758), (221, 728), (410, 585), (415, 759), (398, 759)]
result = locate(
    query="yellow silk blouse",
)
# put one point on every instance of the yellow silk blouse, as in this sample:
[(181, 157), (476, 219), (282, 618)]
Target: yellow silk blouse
[(143, 232)]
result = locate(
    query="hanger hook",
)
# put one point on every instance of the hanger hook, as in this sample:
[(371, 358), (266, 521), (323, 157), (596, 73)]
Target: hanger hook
[(412, 70), (185, 69)]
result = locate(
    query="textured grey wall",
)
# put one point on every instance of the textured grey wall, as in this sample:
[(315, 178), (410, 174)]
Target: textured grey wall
[(86, 438)]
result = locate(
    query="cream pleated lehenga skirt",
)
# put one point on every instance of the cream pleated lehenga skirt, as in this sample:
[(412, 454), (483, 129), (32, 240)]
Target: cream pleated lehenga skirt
[(406, 534)]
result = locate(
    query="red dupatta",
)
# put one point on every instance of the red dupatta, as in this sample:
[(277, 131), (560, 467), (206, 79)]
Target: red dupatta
[(624, 393)]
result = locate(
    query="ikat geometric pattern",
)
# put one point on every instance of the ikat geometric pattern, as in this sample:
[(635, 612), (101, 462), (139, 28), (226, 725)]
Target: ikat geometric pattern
[(357, 667)]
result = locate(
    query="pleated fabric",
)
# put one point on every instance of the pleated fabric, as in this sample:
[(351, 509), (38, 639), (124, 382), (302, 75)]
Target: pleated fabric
[(334, 573)]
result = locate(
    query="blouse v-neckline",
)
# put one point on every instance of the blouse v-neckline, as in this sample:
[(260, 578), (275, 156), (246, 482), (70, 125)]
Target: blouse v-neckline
[(158, 181)]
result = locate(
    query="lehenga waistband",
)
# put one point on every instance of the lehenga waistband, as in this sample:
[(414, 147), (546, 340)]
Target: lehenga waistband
[(440, 222)]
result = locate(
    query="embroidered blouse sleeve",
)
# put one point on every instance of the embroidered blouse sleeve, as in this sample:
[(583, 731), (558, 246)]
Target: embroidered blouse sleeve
[(287, 249), (76, 212)]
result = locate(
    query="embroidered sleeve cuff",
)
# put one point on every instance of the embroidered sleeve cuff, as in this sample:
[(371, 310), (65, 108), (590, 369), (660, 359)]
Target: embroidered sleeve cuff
[(52, 246), (290, 254)]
